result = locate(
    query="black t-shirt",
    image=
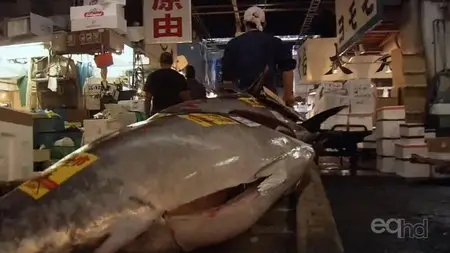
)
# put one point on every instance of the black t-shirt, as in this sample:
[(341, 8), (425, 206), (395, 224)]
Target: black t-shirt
[(247, 55), (165, 86)]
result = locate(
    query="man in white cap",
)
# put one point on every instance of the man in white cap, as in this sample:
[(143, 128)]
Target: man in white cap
[(248, 55)]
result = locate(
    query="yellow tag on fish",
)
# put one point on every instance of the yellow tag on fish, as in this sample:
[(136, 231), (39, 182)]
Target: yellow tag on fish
[(251, 101), (40, 186), (208, 119)]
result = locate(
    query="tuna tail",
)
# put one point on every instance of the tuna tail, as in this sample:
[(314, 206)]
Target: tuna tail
[(313, 124)]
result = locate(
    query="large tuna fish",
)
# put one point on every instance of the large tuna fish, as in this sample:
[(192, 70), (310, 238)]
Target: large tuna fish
[(172, 183)]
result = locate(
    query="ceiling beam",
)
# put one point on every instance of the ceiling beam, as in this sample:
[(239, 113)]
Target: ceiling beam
[(266, 10)]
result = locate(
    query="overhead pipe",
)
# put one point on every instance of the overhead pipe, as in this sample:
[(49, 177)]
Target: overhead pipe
[(411, 30), (237, 17), (261, 5), (242, 11)]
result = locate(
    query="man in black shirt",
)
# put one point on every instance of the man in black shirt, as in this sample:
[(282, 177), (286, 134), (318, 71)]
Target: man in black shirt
[(248, 55), (196, 88), (166, 87)]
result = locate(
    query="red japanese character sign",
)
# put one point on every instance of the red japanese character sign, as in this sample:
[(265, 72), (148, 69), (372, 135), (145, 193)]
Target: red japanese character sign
[(168, 26), (167, 21), (166, 5)]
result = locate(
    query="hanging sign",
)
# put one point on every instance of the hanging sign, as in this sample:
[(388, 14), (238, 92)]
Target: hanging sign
[(312, 65), (167, 21), (303, 62), (354, 18)]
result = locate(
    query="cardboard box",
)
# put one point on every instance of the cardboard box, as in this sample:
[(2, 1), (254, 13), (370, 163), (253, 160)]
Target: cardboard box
[(439, 145), (414, 64), (384, 102), (415, 118), (41, 155)]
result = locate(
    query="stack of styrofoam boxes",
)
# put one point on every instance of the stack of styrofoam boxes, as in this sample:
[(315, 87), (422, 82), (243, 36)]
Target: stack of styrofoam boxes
[(357, 95), (361, 94), (107, 14), (412, 142), (387, 132), (439, 148), (328, 96), (16, 145)]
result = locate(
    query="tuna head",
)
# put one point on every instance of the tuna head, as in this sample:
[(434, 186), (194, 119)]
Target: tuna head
[(176, 182)]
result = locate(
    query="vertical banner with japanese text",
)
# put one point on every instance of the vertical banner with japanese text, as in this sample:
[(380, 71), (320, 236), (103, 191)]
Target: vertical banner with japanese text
[(354, 18), (167, 21)]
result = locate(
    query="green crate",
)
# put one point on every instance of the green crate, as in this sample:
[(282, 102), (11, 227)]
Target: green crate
[(57, 152)]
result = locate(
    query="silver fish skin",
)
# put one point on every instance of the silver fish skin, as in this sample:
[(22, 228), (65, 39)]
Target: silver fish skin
[(145, 172)]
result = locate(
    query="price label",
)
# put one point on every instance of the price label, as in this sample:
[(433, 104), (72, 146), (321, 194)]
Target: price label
[(208, 119), (251, 101), (52, 179), (354, 18)]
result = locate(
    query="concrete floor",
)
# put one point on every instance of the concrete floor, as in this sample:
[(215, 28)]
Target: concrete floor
[(356, 201)]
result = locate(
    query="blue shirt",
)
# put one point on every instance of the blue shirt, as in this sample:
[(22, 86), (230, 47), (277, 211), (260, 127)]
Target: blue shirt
[(247, 55)]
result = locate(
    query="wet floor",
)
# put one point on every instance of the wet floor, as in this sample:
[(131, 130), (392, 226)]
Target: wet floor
[(357, 201)]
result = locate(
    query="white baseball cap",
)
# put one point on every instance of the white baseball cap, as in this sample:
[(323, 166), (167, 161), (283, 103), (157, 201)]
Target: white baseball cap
[(256, 16)]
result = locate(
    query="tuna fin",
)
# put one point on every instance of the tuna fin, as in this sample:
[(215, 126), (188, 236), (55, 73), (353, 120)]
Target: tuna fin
[(313, 124), (274, 180), (126, 230)]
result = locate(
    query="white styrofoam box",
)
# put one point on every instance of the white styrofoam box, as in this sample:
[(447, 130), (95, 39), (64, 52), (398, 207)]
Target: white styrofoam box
[(440, 109), (370, 138), (430, 135), (34, 24), (405, 168), (96, 11), (91, 93), (331, 86), (388, 129), (391, 113), (133, 105), (359, 88), (96, 128), (16, 151), (386, 147), (364, 105), (362, 122), (335, 120), (329, 101), (117, 24), (412, 130), (367, 145), (404, 150), (436, 174), (369, 142), (135, 33), (385, 164)]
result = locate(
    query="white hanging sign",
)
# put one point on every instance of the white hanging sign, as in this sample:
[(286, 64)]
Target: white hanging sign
[(167, 21), (354, 18)]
